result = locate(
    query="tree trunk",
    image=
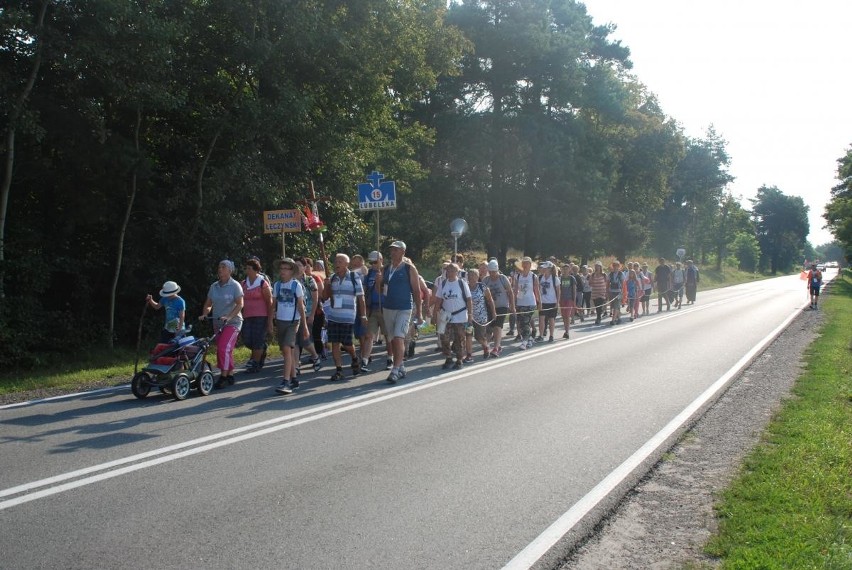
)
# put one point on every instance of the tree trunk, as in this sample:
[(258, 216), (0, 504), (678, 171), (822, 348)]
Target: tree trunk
[(199, 184), (14, 115), (123, 230)]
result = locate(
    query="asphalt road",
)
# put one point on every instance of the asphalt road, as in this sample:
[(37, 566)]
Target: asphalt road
[(478, 468)]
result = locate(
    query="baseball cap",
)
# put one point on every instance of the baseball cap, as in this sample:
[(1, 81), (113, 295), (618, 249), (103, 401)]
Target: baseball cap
[(398, 244), (493, 265), (373, 256)]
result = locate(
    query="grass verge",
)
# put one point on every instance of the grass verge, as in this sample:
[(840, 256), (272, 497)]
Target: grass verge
[(92, 369), (791, 504)]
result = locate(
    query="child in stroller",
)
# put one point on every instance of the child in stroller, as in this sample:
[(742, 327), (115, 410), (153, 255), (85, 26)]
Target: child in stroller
[(176, 367)]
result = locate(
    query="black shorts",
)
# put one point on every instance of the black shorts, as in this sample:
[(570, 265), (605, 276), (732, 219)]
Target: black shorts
[(340, 332), (500, 318), (254, 332), (548, 310)]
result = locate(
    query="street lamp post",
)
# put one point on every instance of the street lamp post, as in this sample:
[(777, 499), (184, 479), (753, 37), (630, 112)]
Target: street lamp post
[(457, 228)]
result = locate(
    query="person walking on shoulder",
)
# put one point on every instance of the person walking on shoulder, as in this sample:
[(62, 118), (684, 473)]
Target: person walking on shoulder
[(504, 303), (615, 280), (678, 283), (483, 312), (597, 280), (257, 314), (224, 304), (455, 312), (663, 283), (549, 290), (399, 283), (692, 279), (814, 284), (175, 308), (290, 320), (528, 299), (567, 298), (345, 296)]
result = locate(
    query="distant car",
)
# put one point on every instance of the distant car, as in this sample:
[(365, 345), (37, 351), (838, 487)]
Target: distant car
[(821, 267), (832, 265)]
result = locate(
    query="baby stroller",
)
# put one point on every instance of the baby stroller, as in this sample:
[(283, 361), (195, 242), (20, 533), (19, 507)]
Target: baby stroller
[(176, 367)]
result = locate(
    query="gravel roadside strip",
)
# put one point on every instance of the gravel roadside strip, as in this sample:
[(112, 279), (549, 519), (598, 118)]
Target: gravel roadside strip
[(664, 522)]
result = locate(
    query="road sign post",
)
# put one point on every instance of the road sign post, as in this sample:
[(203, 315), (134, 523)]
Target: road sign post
[(283, 222), (377, 195)]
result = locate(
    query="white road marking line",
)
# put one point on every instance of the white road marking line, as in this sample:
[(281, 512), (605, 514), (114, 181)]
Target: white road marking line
[(551, 535), (179, 450)]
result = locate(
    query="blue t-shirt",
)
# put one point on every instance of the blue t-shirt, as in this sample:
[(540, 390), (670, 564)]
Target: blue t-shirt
[(173, 306), (375, 297), (399, 295)]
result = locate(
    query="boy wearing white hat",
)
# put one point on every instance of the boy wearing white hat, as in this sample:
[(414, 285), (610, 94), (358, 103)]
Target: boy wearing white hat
[(175, 310)]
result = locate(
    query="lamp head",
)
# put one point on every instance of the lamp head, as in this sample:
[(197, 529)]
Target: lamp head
[(458, 227)]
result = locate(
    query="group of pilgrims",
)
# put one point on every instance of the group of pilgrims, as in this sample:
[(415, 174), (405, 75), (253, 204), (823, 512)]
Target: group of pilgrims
[(310, 309)]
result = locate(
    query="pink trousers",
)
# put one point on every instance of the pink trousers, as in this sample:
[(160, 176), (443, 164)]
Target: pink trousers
[(225, 348)]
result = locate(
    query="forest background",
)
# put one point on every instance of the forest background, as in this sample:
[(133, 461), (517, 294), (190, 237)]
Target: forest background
[(143, 139)]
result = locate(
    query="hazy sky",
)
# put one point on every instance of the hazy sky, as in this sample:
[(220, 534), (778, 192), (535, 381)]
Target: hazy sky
[(772, 77)]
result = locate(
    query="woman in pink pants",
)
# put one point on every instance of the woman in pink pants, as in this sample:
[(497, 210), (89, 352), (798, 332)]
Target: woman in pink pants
[(224, 305)]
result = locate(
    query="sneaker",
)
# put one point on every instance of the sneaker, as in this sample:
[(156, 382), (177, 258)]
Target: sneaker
[(485, 354), (389, 364), (565, 334), (530, 343), (447, 363), (550, 339), (500, 351), (251, 366), (523, 345), (338, 375), (457, 365), (284, 388), (294, 383), (231, 381), (468, 358), (495, 352), (356, 368), (539, 339), (402, 371), (394, 376), (317, 364)]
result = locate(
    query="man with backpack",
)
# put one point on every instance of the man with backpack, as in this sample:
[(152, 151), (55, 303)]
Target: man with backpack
[(344, 295), (814, 284), (455, 312)]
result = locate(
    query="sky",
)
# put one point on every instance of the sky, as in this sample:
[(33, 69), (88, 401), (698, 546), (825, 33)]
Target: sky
[(771, 77)]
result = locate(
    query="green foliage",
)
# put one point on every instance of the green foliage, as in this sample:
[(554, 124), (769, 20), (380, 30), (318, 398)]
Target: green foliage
[(746, 250), (782, 227), (838, 211), (194, 117)]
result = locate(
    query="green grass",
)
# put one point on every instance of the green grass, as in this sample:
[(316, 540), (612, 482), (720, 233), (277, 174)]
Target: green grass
[(791, 504), (90, 369)]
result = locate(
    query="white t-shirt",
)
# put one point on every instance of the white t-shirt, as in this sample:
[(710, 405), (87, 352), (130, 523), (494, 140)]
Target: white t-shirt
[(454, 295), (285, 299), (526, 295), (548, 290)]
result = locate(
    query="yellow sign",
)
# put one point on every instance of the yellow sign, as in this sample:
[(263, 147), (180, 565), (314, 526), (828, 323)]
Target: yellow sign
[(278, 221)]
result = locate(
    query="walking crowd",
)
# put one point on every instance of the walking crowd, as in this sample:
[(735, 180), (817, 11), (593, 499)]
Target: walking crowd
[(316, 313)]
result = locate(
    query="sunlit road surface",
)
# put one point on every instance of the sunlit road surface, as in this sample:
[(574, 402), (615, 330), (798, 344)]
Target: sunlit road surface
[(461, 469)]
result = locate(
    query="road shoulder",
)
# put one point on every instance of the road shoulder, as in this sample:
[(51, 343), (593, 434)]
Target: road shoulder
[(667, 518)]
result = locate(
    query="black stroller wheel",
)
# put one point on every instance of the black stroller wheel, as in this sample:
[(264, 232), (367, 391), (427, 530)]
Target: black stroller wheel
[(139, 384), (206, 381), (181, 386)]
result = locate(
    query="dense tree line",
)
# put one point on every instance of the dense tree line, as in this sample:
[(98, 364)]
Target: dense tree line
[(142, 139), (838, 212)]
